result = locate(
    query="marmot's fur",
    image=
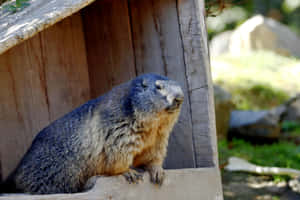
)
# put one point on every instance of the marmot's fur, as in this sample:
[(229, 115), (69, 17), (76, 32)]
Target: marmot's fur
[(127, 127)]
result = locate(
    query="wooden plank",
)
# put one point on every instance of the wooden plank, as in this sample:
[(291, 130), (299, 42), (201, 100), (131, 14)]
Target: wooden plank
[(66, 71), (109, 46), (187, 184), (158, 49), (193, 32), (23, 101)]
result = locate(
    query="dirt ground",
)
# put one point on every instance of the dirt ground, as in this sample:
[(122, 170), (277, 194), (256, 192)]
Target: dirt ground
[(243, 186)]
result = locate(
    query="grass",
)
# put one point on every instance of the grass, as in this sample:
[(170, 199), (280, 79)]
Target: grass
[(293, 128), (261, 70), (257, 80), (259, 59), (281, 154), (256, 96)]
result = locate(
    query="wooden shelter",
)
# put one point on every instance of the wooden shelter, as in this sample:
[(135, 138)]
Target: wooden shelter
[(57, 54)]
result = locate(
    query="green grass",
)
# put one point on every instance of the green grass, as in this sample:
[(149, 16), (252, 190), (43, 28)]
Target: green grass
[(293, 128), (260, 60), (256, 96), (281, 154), (262, 71)]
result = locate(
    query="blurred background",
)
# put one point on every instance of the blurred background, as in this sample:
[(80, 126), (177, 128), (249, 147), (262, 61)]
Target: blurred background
[(255, 60)]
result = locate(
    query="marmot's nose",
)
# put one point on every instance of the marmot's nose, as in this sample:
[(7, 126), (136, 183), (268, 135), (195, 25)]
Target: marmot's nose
[(176, 101), (179, 97)]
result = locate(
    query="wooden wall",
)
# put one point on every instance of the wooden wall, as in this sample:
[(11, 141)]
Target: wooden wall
[(107, 43), (41, 79)]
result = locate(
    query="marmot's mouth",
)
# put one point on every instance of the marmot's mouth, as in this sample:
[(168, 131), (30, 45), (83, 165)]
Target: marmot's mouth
[(175, 105)]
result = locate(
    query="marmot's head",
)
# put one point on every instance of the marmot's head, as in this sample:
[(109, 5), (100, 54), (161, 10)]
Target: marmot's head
[(152, 93)]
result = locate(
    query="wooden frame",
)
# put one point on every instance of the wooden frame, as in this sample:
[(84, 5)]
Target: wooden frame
[(104, 44)]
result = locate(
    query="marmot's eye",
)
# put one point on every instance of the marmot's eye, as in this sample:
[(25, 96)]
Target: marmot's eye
[(144, 84), (158, 86)]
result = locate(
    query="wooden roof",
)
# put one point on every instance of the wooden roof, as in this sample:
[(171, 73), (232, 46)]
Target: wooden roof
[(40, 14)]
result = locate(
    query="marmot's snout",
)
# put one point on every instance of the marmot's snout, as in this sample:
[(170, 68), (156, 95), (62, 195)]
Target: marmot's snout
[(172, 92)]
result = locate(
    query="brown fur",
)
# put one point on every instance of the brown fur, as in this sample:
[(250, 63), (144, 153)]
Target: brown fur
[(153, 142)]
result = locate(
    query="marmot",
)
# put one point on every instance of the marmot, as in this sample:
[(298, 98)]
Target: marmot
[(125, 128)]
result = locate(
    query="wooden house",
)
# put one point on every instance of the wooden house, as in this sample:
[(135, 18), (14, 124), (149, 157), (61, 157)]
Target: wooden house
[(57, 54)]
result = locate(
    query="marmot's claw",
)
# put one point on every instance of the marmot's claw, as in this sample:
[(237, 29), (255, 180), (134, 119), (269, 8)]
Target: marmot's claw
[(157, 174), (132, 176)]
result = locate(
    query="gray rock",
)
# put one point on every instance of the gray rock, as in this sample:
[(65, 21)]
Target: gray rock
[(220, 44), (261, 33), (223, 108), (261, 124), (292, 112)]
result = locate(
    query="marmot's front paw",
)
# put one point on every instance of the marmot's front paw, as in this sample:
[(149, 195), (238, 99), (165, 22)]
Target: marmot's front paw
[(132, 176), (157, 174)]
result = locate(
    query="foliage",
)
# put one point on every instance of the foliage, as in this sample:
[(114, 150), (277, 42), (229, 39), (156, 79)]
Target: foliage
[(257, 80), (16, 5), (215, 7), (257, 97), (281, 154), (292, 127), (260, 59), (284, 11)]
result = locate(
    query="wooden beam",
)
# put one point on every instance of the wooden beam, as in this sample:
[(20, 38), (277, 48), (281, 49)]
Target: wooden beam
[(187, 184), (158, 48), (194, 38)]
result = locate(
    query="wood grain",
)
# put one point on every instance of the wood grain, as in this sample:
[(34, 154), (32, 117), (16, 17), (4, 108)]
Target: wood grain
[(109, 46), (23, 101), (65, 65), (158, 48), (41, 79), (193, 32), (185, 184), (105, 44)]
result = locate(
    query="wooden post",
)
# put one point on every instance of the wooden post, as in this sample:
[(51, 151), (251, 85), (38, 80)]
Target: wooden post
[(194, 38)]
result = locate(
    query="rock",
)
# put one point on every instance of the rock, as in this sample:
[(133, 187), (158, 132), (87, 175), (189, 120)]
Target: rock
[(188, 184), (261, 33), (223, 108), (292, 112), (295, 184), (257, 124), (220, 44)]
